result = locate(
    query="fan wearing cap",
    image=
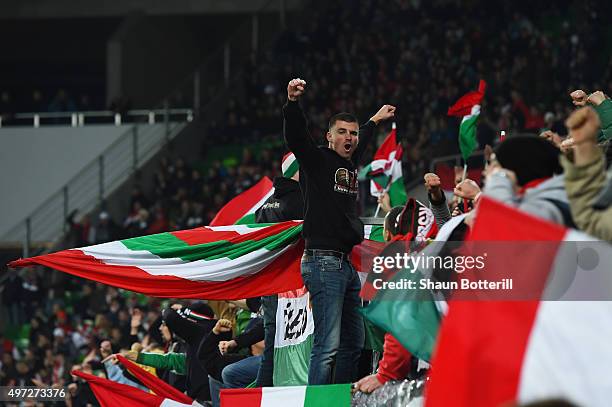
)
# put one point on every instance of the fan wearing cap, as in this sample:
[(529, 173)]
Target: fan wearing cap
[(328, 178), (285, 204), (525, 173)]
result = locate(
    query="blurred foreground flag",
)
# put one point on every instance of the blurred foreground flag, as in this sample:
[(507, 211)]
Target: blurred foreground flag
[(468, 107), (241, 209), (113, 394), (214, 263), (333, 395), (154, 383), (546, 338), (385, 172)]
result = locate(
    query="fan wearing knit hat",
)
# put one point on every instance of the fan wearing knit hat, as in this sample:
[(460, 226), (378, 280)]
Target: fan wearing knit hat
[(525, 173)]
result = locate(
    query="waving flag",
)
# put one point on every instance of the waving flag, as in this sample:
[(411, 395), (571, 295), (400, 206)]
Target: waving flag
[(499, 352), (154, 383), (113, 394), (216, 263), (385, 172), (332, 395), (468, 107), (241, 209), (294, 338)]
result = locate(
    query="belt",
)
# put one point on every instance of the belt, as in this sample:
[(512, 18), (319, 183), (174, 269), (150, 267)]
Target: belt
[(320, 252)]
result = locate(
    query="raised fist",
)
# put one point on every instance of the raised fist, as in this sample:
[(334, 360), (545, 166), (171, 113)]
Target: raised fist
[(596, 98), (384, 113), (295, 89), (432, 181), (222, 325), (583, 126), (579, 97), (432, 184), (467, 189)]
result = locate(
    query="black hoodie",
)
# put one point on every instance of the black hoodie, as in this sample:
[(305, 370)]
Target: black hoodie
[(285, 204)]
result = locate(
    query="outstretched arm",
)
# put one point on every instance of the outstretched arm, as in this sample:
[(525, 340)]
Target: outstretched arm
[(295, 126), (366, 131)]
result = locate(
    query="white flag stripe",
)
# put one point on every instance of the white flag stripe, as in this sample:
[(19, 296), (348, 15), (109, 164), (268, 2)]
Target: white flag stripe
[(260, 203), (222, 269), (567, 356), (290, 316), (290, 396), (172, 403)]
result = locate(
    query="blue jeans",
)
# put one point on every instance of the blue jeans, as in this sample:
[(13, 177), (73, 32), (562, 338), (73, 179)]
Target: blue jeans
[(242, 373), (339, 333), (237, 375), (266, 370)]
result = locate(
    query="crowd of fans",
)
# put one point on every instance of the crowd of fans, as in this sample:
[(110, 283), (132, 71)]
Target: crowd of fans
[(356, 56)]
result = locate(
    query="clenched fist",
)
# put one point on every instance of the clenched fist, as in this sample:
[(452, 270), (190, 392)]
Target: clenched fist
[(467, 189), (579, 97), (583, 126), (432, 184), (596, 98), (295, 89), (222, 325), (384, 113)]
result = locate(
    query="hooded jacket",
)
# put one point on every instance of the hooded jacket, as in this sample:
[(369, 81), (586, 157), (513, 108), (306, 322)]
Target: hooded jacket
[(285, 204), (548, 200)]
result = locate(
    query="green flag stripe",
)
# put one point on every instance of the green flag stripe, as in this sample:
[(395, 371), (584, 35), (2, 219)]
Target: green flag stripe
[(332, 395), (166, 245), (397, 192), (293, 168), (247, 220), (410, 315), (467, 135)]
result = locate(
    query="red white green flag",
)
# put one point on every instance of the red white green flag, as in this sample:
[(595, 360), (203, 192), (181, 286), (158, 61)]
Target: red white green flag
[(468, 108), (497, 352), (113, 394), (216, 263), (333, 395), (385, 172), (241, 209)]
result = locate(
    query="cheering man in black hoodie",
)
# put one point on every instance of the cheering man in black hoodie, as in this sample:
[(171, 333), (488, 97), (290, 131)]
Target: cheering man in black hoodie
[(328, 178)]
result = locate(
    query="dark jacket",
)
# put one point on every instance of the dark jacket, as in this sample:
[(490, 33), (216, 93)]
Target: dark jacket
[(329, 184), (192, 333), (285, 204)]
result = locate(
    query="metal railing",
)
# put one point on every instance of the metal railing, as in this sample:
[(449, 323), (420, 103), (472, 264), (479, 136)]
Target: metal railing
[(223, 68), (96, 181), (78, 119)]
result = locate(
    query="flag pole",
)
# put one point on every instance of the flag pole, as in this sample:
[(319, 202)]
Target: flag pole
[(377, 210)]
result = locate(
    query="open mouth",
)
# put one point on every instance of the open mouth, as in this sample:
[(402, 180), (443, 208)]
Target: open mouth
[(347, 147)]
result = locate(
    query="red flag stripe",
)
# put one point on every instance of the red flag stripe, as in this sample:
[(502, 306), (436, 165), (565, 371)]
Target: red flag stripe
[(283, 274), (241, 397), (154, 383), (482, 344), (237, 207)]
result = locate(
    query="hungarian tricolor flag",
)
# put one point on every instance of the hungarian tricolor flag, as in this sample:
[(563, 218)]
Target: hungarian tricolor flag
[(294, 338), (113, 394), (468, 108), (385, 172), (241, 209), (333, 395), (216, 263), (498, 352), (154, 383)]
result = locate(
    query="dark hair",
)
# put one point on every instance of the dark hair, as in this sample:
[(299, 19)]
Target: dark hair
[(395, 221), (345, 117)]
